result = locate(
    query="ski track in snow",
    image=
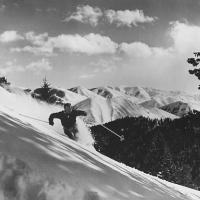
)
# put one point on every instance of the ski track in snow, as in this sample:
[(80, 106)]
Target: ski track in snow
[(37, 162)]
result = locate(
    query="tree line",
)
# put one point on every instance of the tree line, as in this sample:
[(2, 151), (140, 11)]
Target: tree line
[(169, 149)]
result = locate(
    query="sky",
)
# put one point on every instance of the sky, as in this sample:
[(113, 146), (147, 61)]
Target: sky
[(99, 42)]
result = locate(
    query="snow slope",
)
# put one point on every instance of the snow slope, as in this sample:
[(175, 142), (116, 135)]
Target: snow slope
[(59, 95), (109, 92), (39, 163), (123, 107), (136, 91), (98, 110), (101, 110), (180, 108), (84, 92), (151, 97), (164, 97), (71, 96), (151, 104), (104, 104), (175, 102)]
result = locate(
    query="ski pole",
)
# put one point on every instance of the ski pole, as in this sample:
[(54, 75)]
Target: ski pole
[(33, 118), (37, 120), (121, 137), (28, 116)]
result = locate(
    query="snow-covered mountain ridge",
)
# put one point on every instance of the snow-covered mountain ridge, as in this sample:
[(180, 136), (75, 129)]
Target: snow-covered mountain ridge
[(104, 104), (138, 101)]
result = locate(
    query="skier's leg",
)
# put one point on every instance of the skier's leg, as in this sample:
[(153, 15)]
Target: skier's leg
[(68, 133), (74, 131)]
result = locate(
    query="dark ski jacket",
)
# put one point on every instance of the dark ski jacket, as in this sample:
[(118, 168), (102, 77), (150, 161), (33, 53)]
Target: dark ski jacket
[(67, 120)]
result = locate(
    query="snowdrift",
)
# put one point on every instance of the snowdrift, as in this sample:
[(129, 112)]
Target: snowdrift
[(39, 163)]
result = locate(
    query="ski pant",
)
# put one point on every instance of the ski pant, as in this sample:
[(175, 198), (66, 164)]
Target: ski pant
[(71, 132)]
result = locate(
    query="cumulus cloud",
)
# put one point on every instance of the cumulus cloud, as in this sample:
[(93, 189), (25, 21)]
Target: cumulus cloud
[(10, 66), (158, 62), (39, 44), (86, 14), (90, 44), (127, 17), (184, 42), (142, 50), (36, 39), (36, 67), (137, 49), (10, 36), (185, 37), (36, 50), (100, 66), (40, 65), (164, 67), (105, 65)]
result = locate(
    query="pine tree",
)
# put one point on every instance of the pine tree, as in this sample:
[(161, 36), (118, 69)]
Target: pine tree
[(45, 93), (195, 62), (3, 81), (167, 166)]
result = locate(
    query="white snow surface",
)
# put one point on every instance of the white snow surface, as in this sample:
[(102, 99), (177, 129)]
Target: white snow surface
[(71, 97), (165, 97), (131, 101), (135, 91), (37, 162), (180, 108), (151, 104), (123, 108), (104, 104), (109, 92), (84, 91), (98, 109)]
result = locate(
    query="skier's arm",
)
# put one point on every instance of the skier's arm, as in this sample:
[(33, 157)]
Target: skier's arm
[(52, 116), (80, 113)]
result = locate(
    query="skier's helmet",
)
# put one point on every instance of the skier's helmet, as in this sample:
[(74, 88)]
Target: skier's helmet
[(67, 108), (67, 105)]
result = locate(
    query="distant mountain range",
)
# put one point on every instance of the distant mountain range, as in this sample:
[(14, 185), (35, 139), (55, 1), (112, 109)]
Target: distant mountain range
[(125, 101), (104, 104)]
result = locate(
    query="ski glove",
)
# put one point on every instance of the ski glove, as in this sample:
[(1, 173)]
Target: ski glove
[(51, 123)]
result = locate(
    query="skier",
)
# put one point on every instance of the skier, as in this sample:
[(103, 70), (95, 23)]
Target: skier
[(68, 120)]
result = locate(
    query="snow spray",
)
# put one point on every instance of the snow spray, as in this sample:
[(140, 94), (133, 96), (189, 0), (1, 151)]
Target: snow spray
[(84, 134), (37, 111)]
